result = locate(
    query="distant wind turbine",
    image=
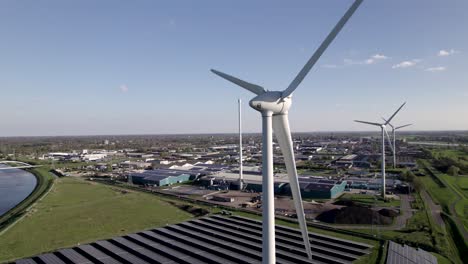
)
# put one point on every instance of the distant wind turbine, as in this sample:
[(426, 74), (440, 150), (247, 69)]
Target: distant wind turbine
[(383, 133), (394, 139), (274, 106)]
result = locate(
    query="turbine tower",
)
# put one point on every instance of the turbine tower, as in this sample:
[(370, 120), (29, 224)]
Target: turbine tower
[(383, 133), (274, 106), (394, 139), (241, 177)]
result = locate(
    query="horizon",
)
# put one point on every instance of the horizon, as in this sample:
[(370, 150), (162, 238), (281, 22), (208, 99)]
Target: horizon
[(237, 133), (107, 68)]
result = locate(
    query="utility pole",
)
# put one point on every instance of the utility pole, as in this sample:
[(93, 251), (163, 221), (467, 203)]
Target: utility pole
[(241, 176)]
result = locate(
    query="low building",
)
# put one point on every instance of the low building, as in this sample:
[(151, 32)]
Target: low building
[(135, 165), (315, 188), (94, 157), (139, 155), (157, 178)]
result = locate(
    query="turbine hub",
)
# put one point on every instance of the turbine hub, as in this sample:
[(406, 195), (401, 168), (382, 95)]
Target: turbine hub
[(271, 101)]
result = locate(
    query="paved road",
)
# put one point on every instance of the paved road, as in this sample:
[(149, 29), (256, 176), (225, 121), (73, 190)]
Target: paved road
[(435, 208), (405, 211)]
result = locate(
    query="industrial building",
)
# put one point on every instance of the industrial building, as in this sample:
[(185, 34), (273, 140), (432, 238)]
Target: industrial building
[(311, 187), (372, 183), (321, 188), (158, 178)]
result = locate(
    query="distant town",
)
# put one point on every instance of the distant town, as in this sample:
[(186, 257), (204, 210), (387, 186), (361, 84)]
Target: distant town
[(339, 176)]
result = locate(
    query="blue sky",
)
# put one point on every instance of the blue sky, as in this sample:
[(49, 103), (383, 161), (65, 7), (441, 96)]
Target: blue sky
[(142, 67)]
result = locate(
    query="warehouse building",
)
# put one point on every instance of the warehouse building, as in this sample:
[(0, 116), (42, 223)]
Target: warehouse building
[(322, 189), (158, 178), (316, 188)]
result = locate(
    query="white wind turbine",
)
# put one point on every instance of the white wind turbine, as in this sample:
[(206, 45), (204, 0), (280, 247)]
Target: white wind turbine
[(383, 133), (274, 106), (394, 139)]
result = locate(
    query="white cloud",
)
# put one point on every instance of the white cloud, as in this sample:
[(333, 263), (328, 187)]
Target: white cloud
[(406, 64), (374, 58), (371, 60), (123, 88), (436, 69), (443, 53), (379, 57)]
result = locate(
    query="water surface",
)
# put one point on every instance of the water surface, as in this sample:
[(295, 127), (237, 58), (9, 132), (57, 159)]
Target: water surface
[(15, 186)]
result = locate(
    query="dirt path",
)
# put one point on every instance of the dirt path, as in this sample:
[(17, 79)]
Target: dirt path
[(435, 208)]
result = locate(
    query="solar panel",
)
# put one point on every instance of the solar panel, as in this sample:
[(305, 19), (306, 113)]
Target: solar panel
[(214, 239)]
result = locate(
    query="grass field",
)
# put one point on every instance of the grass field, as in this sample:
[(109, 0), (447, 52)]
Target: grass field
[(443, 195), (76, 211), (367, 199)]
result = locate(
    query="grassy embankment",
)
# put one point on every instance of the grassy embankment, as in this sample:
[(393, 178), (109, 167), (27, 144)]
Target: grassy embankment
[(444, 191), (448, 191), (76, 211), (44, 182)]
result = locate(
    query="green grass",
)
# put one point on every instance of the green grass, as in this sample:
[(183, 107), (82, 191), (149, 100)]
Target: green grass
[(441, 195), (76, 211), (445, 196), (367, 199), (441, 259)]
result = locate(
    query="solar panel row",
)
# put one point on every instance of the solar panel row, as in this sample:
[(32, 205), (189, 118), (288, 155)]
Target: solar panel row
[(214, 239), (399, 254)]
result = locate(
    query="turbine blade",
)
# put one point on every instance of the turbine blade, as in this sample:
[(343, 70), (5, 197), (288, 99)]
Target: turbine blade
[(394, 114), (256, 89), (385, 120), (369, 123), (402, 126), (283, 135), (389, 141), (316, 56)]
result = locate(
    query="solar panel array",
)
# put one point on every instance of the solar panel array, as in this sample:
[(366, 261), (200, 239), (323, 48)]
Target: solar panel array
[(403, 254), (214, 239)]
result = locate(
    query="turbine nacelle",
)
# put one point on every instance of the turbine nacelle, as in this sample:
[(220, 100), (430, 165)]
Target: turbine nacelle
[(271, 101)]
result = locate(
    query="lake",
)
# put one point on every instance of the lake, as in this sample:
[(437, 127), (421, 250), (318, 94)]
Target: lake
[(15, 186)]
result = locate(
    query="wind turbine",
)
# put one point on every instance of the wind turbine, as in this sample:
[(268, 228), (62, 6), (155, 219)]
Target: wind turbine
[(383, 133), (274, 106), (394, 139)]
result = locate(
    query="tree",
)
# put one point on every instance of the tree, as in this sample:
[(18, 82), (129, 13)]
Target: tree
[(453, 170), (407, 176), (418, 186)]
